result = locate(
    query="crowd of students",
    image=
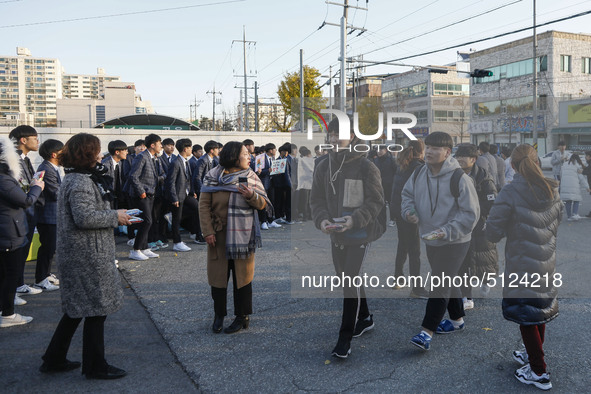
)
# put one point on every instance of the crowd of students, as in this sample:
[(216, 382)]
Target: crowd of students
[(460, 205)]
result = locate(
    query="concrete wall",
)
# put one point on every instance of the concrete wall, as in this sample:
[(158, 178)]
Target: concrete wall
[(130, 136)]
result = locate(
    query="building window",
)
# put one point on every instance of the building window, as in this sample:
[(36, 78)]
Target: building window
[(565, 63), (100, 114), (586, 65)]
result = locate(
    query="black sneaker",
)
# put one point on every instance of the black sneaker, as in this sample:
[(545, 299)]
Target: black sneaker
[(419, 292), (363, 326), (342, 349)]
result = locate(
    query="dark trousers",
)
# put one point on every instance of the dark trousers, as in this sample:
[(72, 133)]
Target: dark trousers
[(158, 228), (348, 260), (10, 263), (146, 205), (409, 244), (31, 223), (242, 296), (533, 339), (444, 259), (93, 343), (304, 204), (47, 238), (188, 210), (283, 201)]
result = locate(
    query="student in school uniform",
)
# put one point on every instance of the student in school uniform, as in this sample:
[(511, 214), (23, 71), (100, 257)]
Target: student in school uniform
[(46, 215), (141, 186)]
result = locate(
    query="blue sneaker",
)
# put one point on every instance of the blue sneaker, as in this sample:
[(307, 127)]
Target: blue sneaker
[(422, 340), (447, 327), (161, 244)]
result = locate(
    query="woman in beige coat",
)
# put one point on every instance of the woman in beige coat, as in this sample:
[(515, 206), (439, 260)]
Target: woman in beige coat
[(230, 197)]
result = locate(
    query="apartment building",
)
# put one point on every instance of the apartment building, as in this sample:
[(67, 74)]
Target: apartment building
[(80, 86), (29, 88)]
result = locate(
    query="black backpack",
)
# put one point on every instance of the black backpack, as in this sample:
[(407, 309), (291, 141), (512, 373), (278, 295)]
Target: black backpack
[(454, 184)]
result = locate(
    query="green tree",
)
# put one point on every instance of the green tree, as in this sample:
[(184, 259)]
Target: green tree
[(289, 94)]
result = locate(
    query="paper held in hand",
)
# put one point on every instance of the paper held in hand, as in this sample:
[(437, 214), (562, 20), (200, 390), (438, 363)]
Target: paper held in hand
[(259, 162), (278, 167)]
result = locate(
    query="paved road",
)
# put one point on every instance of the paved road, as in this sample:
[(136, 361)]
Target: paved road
[(163, 338)]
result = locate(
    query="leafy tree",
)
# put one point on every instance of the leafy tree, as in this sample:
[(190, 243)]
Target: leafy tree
[(289, 92)]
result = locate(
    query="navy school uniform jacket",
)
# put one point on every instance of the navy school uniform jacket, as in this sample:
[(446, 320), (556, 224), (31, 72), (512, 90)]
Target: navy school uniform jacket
[(202, 168), (47, 213), (178, 181)]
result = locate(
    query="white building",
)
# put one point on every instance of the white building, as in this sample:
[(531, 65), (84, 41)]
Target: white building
[(440, 101), (80, 86), (29, 89), (502, 104), (120, 99)]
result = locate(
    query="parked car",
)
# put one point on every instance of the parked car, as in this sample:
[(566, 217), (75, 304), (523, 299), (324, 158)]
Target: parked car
[(547, 159)]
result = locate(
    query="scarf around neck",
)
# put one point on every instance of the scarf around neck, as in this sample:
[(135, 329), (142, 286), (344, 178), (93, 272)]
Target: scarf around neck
[(98, 174), (243, 234)]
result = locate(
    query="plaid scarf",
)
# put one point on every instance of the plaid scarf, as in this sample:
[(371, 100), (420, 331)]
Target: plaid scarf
[(243, 232)]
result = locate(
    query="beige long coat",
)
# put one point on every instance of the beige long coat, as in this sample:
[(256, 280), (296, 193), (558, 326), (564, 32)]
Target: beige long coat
[(213, 215)]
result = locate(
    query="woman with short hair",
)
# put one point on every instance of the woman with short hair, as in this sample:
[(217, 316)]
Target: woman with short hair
[(90, 283), (230, 196)]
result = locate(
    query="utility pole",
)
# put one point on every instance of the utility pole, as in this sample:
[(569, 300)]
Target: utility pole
[(256, 106), (214, 93), (535, 86), (302, 90), (343, 59), (240, 108), (244, 41)]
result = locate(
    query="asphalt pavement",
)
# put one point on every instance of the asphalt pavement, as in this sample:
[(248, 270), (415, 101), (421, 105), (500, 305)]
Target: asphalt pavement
[(162, 336)]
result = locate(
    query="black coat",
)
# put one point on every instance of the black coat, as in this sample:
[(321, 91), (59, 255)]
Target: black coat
[(530, 222), (399, 181), (13, 202), (387, 166)]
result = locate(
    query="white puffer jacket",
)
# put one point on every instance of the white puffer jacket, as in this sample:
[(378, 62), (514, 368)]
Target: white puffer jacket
[(571, 182)]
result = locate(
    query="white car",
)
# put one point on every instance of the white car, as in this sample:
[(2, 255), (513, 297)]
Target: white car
[(547, 159)]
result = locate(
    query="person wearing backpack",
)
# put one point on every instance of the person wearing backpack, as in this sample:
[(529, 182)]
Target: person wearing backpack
[(347, 201), (409, 241), (528, 212), (445, 224)]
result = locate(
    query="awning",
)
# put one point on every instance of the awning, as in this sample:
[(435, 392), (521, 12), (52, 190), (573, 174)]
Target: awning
[(571, 130)]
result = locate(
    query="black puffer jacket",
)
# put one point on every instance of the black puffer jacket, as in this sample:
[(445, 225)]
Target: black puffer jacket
[(13, 202), (348, 184), (399, 181), (483, 253), (530, 222)]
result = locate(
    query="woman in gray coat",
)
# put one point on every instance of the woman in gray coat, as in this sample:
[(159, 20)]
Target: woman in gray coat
[(89, 281)]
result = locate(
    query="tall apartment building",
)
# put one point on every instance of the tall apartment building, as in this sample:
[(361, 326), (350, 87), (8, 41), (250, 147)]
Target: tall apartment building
[(80, 86), (269, 116), (502, 104), (439, 100), (29, 88)]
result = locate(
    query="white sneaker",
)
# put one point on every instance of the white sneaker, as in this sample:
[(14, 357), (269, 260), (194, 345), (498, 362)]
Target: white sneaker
[(131, 242), (193, 236), (149, 253), (264, 226), (391, 223), (46, 285), (274, 225), (468, 304), (14, 320), (117, 263), (19, 301), (137, 255), (576, 217), (27, 290), (180, 247), (53, 279)]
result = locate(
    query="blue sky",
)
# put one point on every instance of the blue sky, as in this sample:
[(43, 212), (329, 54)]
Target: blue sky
[(175, 55)]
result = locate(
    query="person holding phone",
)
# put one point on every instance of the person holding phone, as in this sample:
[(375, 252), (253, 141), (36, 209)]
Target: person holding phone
[(90, 284), (231, 194), (346, 199)]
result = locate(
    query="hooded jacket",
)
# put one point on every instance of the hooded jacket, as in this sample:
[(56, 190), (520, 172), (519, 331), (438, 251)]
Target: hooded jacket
[(572, 181), (342, 187), (13, 200), (437, 208), (530, 222)]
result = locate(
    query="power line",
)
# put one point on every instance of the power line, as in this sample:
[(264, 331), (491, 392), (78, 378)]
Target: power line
[(121, 14), (481, 40), (446, 26)]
